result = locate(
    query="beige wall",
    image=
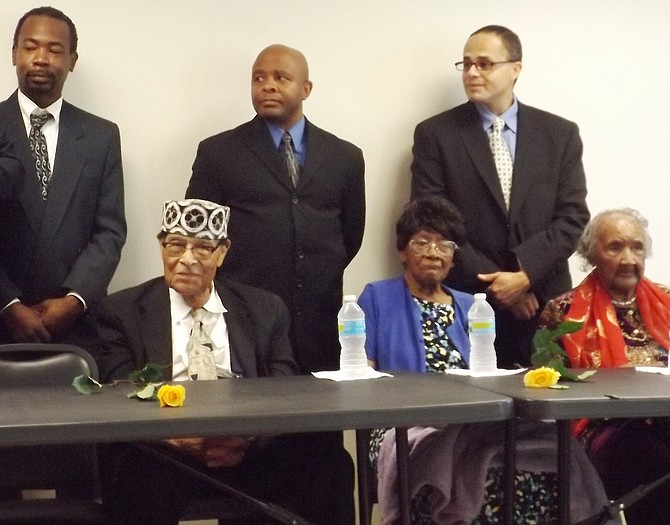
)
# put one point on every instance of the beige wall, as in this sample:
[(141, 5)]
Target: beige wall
[(171, 73)]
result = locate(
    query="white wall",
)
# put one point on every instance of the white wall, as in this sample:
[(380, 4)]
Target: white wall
[(171, 73)]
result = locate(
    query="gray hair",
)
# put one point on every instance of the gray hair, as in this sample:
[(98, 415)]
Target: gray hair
[(586, 243)]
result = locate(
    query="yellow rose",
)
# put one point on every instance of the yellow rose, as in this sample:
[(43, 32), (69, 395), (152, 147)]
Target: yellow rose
[(542, 377), (171, 395)]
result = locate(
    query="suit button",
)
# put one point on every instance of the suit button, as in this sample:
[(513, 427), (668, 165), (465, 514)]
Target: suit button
[(298, 283), (300, 253), (295, 200)]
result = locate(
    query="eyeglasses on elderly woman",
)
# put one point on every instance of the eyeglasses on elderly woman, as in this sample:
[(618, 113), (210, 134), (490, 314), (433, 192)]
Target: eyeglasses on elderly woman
[(420, 246)]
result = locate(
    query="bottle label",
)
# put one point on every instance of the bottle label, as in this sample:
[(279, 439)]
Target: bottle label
[(483, 327), (351, 327)]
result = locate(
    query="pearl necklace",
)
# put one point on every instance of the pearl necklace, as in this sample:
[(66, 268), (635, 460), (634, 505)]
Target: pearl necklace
[(624, 304)]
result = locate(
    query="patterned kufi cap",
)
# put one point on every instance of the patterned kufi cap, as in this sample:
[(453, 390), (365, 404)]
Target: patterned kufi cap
[(196, 218)]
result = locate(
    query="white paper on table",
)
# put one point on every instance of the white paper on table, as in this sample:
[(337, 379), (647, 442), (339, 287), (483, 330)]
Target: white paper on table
[(351, 375), (495, 373), (654, 369)]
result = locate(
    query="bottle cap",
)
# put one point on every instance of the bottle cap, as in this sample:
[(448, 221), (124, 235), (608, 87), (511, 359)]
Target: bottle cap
[(480, 296), (349, 298)]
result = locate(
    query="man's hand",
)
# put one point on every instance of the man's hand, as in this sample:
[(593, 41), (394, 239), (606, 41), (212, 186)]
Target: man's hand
[(226, 451), (525, 308), (25, 324), (58, 315), (506, 288)]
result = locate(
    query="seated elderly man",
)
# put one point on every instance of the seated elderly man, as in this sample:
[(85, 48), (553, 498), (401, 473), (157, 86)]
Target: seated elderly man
[(626, 323), (207, 329)]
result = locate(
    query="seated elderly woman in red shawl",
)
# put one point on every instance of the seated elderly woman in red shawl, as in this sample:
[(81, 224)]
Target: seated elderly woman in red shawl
[(626, 323)]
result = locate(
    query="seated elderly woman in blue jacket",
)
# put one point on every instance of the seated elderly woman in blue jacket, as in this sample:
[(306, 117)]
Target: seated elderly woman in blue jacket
[(415, 323)]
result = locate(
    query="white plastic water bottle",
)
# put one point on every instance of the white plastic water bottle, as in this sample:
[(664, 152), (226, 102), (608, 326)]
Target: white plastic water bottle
[(482, 329), (351, 327)]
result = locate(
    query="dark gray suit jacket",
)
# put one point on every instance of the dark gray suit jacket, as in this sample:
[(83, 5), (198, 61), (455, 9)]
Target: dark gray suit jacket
[(134, 328), (294, 242), (73, 240), (548, 211)]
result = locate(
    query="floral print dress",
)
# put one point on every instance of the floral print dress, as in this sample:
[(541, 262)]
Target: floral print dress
[(535, 494)]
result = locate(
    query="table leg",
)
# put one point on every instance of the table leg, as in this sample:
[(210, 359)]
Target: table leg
[(510, 469), (564, 472), (402, 459), (363, 469)]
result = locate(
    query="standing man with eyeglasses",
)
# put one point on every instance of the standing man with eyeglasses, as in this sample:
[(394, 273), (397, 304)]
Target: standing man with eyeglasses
[(516, 174), (62, 232)]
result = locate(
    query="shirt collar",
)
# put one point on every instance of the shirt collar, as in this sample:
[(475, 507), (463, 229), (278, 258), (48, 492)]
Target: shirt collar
[(28, 106), (297, 132), (510, 116), (180, 310)]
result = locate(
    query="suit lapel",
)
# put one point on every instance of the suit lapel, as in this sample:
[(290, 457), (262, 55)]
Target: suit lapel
[(67, 169), (524, 159), (31, 192), (477, 145), (261, 144), (240, 328), (156, 325), (316, 152)]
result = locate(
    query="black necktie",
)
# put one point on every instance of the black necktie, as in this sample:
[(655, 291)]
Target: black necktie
[(290, 158), (38, 147)]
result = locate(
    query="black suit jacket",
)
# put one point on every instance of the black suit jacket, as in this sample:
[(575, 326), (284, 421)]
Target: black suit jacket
[(73, 240), (11, 172), (548, 211), (294, 242), (134, 328)]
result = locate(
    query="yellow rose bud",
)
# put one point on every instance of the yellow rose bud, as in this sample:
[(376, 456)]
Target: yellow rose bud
[(171, 395), (542, 377)]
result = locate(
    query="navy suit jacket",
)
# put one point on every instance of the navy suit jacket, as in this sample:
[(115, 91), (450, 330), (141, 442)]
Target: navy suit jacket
[(135, 327), (294, 242), (548, 211), (73, 240)]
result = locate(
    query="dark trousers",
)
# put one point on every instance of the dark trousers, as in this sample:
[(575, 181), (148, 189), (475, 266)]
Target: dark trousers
[(303, 473), (628, 453)]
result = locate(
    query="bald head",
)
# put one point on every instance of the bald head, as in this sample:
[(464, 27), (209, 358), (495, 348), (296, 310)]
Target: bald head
[(279, 84), (282, 50)]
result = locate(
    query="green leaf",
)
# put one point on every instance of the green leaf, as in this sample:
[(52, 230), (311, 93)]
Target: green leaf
[(557, 364), (151, 373), (147, 392), (566, 327), (86, 385), (584, 375)]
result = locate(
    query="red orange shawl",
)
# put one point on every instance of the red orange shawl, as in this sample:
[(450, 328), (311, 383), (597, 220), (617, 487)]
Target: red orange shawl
[(600, 342)]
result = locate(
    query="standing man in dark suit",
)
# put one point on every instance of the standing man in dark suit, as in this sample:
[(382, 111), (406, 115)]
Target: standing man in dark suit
[(245, 333), (62, 234), (297, 232), (523, 220)]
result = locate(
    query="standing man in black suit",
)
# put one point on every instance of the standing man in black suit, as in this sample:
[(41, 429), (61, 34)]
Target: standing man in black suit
[(62, 235), (246, 335), (297, 233), (522, 224)]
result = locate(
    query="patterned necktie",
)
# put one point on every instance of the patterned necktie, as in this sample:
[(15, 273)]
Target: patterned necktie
[(502, 158), (38, 147), (201, 363), (290, 158)]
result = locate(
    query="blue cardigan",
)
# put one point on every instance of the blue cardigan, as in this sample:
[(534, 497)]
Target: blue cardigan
[(394, 335)]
